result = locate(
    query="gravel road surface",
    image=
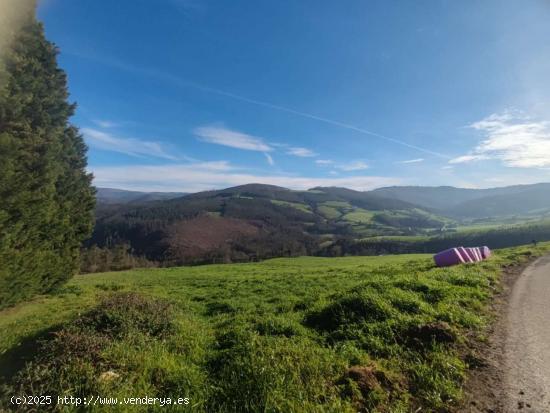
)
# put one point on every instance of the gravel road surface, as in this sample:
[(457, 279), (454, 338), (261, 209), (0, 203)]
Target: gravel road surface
[(526, 381)]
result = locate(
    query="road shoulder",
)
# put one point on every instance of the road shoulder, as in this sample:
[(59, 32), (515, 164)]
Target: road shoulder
[(484, 389)]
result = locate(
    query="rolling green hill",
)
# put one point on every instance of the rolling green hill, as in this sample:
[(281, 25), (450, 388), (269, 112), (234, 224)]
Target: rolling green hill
[(387, 334), (254, 221), (516, 200), (531, 201)]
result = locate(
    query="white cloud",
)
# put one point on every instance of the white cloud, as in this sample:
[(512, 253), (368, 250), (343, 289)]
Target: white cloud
[(468, 158), (324, 162), (302, 152), (353, 166), (205, 176), (269, 159), (515, 139), (233, 139), (220, 166), (105, 123), (128, 146), (418, 160)]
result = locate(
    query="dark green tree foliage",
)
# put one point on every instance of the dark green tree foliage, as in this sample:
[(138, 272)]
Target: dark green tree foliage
[(46, 198)]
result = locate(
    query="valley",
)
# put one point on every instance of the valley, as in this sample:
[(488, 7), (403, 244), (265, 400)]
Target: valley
[(254, 222)]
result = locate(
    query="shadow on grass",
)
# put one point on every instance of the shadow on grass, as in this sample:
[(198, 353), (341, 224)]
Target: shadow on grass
[(16, 357)]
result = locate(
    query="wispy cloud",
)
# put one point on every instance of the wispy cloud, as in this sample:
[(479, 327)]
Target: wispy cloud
[(106, 123), (417, 160), (233, 139), (227, 137), (302, 152), (469, 158), (324, 162), (513, 138), (129, 146), (179, 82), (219, 166), (269, 159), (353, 166), (204, 176)]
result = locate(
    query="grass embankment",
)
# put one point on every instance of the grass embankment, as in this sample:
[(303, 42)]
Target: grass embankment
[(383, 334)]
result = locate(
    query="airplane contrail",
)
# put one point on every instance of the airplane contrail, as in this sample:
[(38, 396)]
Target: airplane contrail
[(185, 83), (316, 117)]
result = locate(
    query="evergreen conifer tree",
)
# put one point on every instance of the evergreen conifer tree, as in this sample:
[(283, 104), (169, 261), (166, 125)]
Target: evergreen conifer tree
[(46, 197)]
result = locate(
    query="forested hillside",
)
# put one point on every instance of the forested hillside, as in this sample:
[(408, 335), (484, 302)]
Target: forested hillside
[(252, 222), (46, 207)]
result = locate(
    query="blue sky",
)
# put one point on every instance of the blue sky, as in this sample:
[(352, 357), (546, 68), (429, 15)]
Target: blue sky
[(189, 95)]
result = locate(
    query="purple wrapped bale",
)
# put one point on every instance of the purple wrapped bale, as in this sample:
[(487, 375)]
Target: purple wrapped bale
[(477, 253), (485, 252), (470, 254), (448, 257), (465, 254), (461, 255), (481, 257)]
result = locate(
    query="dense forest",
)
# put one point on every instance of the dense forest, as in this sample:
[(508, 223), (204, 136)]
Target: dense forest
[(47, 201)]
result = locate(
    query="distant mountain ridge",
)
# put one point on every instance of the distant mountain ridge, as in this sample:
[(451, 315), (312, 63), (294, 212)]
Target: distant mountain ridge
[(446, 200), (122, 196), (475, 203), (257, 221)]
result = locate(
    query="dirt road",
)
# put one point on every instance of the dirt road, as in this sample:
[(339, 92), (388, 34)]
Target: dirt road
[(526, 375), (514, 372)]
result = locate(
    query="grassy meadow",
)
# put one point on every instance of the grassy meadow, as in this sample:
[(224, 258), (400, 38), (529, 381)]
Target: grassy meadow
[(380, 334)]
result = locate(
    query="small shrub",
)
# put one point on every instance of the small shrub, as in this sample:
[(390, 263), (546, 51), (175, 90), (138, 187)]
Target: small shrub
[(124, 313)]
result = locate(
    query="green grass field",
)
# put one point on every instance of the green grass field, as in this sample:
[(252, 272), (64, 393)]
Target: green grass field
[(297, 205), (360, 216), (381, 334)]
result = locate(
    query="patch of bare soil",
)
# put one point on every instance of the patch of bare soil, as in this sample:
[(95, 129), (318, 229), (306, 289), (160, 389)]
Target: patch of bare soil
[(193, 237)]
